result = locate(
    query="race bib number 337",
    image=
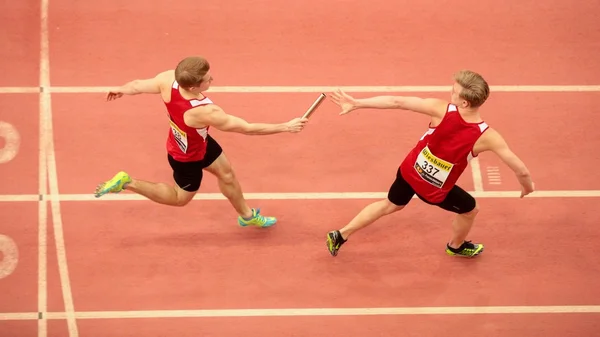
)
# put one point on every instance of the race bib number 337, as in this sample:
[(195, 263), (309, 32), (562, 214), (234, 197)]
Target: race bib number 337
[(432, 169)]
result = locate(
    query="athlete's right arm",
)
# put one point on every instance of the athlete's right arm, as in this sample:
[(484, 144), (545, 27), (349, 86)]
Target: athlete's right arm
[(428, 106), (214, 116), (140, 86)]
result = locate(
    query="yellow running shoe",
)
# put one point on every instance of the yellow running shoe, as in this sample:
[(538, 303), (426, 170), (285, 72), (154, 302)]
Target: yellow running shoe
[(115, 185), (257, 220), (467, 249), (334, 242)]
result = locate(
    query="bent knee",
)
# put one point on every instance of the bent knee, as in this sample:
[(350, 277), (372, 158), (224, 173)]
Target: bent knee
[(473, 212), (184, 198), (226, 175), (182, 202), (389, 207)]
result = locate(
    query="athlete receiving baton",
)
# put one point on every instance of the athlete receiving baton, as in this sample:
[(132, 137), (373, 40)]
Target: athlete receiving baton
[(456, 134), (190, 149)]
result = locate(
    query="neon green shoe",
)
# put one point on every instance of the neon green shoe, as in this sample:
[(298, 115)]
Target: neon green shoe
[(334, 242), (467, 249), (115, 185), (257, 220)]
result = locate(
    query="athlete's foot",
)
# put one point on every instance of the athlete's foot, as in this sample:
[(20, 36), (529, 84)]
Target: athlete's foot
[(467, 249), (257, 220), (115, 185), (334, 242)]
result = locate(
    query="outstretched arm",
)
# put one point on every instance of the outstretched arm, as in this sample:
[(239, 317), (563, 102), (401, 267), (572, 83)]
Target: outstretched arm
[(429, 106), (138, 86), (214, 116), (494, 142)]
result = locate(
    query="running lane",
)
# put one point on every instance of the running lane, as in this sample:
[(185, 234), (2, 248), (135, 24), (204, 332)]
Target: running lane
[(197, 257), (312, 42), (19, 328), (359, 152), (19, 143), (555, 134), (20, 41), (18, 257), (549, 325)]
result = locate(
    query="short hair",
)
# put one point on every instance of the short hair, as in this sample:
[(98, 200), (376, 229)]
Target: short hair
[(475, 89), (191, 70)]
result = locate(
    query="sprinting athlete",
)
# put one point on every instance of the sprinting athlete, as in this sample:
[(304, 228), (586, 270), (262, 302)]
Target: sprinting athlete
[(190, 148), (456, 134)]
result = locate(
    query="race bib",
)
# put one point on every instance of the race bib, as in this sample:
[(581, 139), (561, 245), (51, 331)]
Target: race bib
[(432, 169), (180, 137)]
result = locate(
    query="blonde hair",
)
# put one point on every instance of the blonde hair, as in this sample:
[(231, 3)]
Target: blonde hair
[(475, 89), (191, 70)]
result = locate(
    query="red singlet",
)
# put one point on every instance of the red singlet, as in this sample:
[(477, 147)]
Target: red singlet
[(185, 143), (434, 165)]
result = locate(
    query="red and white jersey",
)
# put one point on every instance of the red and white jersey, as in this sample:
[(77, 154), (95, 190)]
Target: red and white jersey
[(434, 165), (185, 143)]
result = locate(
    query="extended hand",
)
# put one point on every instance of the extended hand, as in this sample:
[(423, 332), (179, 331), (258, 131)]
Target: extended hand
[(113, 94), (343, 100), (525, 190), (296, 124)]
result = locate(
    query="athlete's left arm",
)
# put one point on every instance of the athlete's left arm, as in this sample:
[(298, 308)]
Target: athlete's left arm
[(139, 86), (492, 141)]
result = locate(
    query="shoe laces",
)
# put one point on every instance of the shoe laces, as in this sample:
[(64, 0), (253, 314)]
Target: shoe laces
[(468, 245)]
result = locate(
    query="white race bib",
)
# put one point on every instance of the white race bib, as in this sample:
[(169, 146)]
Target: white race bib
[(180, 137), (432, 169)]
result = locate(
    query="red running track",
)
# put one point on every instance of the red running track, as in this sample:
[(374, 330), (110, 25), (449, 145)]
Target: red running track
[(135, 256)]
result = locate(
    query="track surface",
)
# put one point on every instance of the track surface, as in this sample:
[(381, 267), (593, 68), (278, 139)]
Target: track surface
[(122, 266)]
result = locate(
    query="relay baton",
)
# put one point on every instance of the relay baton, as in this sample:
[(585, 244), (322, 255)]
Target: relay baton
[(314, 106)]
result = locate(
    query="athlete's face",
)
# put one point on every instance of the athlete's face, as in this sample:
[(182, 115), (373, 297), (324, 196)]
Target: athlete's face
[(204, 85), (455, 98), (206, 81)]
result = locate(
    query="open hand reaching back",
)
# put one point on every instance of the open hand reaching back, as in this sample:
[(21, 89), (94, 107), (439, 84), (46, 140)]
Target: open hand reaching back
[(343, 100)]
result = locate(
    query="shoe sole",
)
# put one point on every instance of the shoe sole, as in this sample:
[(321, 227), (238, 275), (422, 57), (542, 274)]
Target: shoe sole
[(329, 244), (107, 190)]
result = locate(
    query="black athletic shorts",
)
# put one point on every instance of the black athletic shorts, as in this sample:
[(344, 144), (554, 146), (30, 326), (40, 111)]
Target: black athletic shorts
[(188, 175), (457, 201)]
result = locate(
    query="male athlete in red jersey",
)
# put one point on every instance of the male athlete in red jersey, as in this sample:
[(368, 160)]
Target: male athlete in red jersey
[(190, 149), (456, 134)]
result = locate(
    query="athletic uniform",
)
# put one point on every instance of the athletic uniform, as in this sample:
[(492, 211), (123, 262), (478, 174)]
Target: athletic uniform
[(432, 167), (189, 150), (430, 171)]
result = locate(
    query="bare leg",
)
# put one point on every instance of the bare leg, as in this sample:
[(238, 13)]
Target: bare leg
[(368, 215), (229, 185), (160, 192), (461, 226), (364, 218)]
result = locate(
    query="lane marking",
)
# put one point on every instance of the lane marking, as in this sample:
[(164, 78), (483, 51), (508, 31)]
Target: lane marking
[(319, 89), (312, 312), (298, 195), (31, 197), (493, 174), (19, 90), (42, 179), (48, 136), (476, 173), (18, 316)]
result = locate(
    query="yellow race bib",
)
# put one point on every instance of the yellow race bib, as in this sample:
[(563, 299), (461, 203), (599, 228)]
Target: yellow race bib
[(432, 169)]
